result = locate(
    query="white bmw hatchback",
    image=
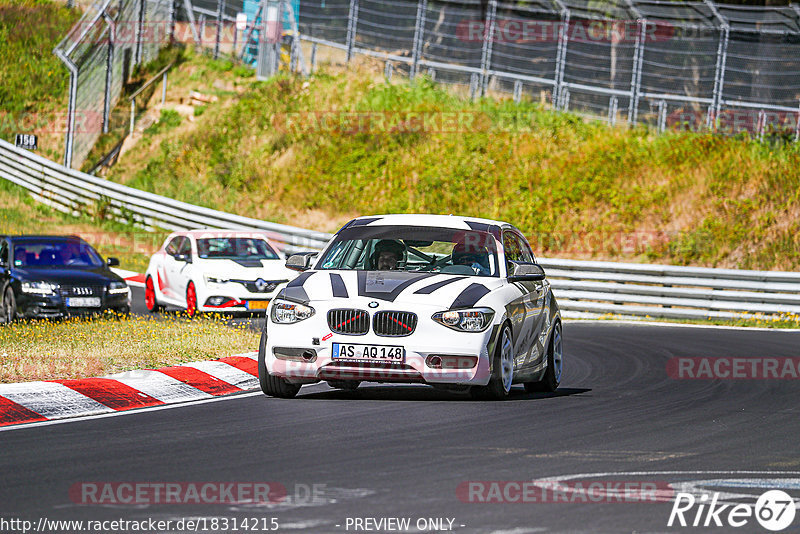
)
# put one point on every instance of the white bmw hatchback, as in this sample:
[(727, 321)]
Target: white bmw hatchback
[(215, 270), (453, 302)]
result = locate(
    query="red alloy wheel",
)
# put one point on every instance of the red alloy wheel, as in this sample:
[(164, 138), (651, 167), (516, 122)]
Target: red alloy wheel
[(149, 294), (191, 300)]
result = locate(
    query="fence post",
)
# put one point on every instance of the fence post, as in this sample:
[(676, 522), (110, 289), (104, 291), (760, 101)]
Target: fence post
[(561, 55), (171, 30), (517, 91), (797, 128), (139, 32), (419, 29), (662, 115), (112, 37), (352, 24), (636, 78), (187, 5), (613, 103), (69, 138), (488, 41), (719, 70), (220, 19)]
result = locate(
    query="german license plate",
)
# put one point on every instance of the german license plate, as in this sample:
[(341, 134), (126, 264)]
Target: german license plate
[(355, 352), (257, 304), (83, 302)]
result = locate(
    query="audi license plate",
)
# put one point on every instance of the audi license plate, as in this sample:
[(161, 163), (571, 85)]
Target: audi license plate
[(353, 352), (83, 302)]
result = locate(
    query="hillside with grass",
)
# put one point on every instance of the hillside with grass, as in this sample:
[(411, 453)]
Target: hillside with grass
[(317, 151), (33, 92)]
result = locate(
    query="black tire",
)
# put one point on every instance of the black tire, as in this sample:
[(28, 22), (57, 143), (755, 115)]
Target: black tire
[(274, 386), (346, 385), (9, 306), (499, 386), (552, 375)]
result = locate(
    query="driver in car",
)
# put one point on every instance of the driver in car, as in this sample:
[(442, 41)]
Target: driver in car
[(387, 254), (473, 256)]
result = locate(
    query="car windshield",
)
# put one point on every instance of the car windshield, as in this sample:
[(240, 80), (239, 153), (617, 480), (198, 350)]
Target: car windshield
[(413, 249), (235, 248), (70, 253)]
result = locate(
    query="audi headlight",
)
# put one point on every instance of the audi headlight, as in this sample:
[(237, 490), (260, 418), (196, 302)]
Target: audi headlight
[(214, 280), (117, 288), (284, 312), (39, 288), (472, 320)]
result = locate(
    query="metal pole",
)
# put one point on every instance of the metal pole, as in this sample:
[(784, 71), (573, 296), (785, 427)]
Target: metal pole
[(662, 115), (352, 26), (73, 97), (140, 32), (488, 41), (517, 91), (187, 5), (419, 29), (133, 114), (112, 37), (164, 89), (719, 74), (561, 56), (220, 13), (636, 79), (171, 31), (612, 111), (797, 128), (313, 57)]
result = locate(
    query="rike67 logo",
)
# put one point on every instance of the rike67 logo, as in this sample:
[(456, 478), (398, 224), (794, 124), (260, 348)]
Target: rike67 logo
[(774, 510)]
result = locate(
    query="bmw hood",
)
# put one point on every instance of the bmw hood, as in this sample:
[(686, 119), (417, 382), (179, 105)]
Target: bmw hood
[(408, 290)]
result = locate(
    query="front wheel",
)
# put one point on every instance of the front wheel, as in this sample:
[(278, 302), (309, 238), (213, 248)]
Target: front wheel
[(499, 386), (9, 306), (552, 375), (274, 386), (191, 300), (150, 301)]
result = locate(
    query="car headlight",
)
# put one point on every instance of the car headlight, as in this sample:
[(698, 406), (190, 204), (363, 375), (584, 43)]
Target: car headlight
[(117, 288), (471, 320), (214, 280), (284, 312), (39, 288)]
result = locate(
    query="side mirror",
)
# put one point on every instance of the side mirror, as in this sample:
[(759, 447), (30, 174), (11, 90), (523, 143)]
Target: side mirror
[(301, 261), (183, 257), (112, 262), (519, 271)]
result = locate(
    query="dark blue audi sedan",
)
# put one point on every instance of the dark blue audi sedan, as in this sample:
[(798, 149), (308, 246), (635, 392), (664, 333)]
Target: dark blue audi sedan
[(57, 276)]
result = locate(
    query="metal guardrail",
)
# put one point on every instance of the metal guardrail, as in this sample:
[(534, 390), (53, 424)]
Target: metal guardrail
[(583, 288), (75, 192)]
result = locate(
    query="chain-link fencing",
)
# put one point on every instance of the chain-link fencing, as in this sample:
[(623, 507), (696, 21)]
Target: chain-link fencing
[(679, 65), (100, 51)]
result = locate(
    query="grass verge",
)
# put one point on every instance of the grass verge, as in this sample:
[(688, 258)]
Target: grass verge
[(80, 348)]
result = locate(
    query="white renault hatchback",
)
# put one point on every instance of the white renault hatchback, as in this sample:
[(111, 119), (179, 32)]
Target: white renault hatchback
[(215, 270)]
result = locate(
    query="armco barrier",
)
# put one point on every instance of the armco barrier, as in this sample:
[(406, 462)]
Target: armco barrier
[(582, 287), (72, 191)]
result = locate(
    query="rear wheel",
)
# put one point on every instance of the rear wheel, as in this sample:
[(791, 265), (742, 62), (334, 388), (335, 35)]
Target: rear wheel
[(499, 386), (274, 386), (9, 306), (552, 375), (150, 301), (191, 300)]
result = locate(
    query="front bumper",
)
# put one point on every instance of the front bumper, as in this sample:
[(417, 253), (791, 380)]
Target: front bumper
[(34, 306), (234, 297), (302, 353)]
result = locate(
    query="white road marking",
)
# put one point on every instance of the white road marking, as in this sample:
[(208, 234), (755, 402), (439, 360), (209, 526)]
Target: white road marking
[(672, 325), (160, 386), (227, 373), (52, 400)]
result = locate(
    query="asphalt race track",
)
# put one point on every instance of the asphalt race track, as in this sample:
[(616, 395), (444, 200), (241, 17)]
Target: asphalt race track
[(408, 451)]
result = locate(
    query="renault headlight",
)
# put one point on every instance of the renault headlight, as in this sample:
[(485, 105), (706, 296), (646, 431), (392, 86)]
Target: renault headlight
[(39, 288), (284, 312), (470, 320)]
